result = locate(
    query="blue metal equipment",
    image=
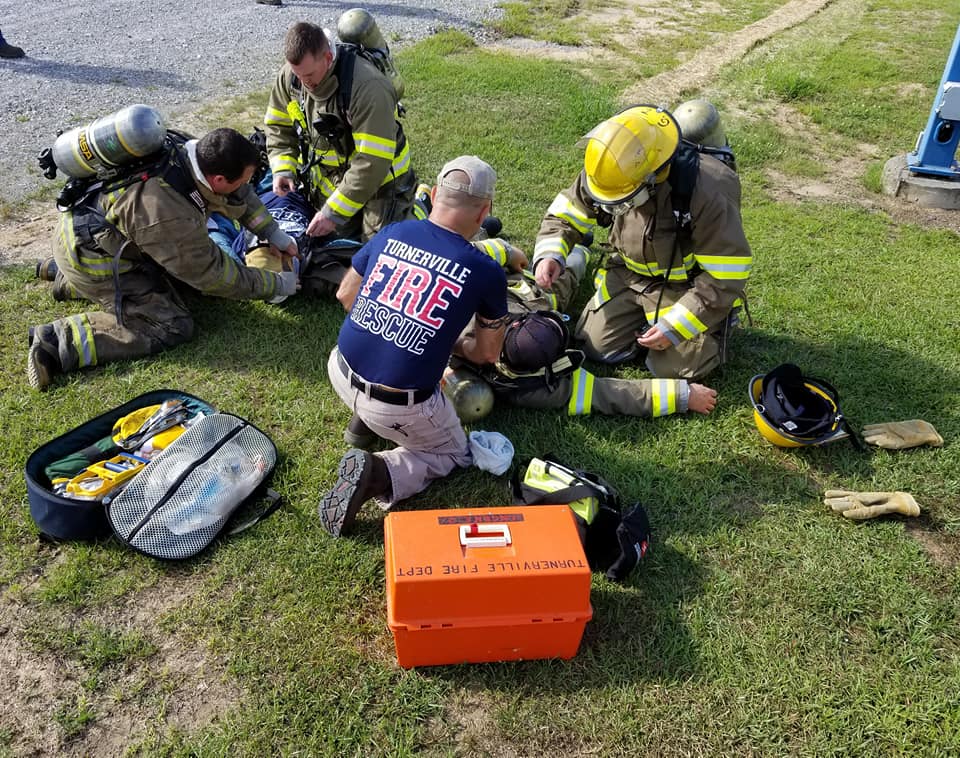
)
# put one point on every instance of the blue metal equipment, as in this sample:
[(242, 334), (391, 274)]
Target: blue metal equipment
[(937, 146)]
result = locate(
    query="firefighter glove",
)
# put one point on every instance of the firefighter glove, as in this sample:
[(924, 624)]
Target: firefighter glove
[(864, 505), (287, 283), (899, 435)]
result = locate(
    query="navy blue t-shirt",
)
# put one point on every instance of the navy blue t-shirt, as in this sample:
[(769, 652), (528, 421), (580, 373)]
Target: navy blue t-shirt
[(421, 285)]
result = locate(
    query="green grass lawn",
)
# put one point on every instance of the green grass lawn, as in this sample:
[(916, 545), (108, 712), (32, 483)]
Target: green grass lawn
[(760, 623)]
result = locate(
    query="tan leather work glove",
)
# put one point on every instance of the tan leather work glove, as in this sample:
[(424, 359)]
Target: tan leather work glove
[(864, 505), (899, 435)]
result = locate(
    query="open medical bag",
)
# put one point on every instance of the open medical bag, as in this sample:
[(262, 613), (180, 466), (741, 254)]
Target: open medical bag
[(176, 503)]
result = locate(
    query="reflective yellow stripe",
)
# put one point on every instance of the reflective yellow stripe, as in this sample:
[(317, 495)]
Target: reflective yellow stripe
[(682, 320), (644, 269), (280, 163), (273, 116), (374, 145), (600, 282), (565, 210), (342, 204), (581, 393), (551, 245), (328, 158), (495, 248), (663, 397), (82, 338), (401, 164), (735, 267)]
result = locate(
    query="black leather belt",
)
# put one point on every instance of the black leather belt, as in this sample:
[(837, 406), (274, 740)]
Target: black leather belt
[(379, 392)]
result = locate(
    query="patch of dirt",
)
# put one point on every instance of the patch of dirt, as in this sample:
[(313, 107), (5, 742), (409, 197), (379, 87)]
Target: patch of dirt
[(468, 723), (26, 236), (178, 687), (943, 549), (698, 71), (551, 50)]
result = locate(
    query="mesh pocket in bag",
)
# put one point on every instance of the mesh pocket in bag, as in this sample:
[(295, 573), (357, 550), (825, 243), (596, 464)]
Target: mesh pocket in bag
[(181, 501)]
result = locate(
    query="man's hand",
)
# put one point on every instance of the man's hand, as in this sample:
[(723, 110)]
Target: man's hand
[(282, 185), (290, 251), (517, 261), (547, 272), (701, 399), (653, 339), (320, 226)]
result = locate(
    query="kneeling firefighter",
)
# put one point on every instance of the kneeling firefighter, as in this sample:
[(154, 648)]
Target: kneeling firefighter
[(681, 260), (133, 232)]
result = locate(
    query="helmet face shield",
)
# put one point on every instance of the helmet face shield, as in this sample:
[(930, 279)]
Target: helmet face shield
[(625, 153)]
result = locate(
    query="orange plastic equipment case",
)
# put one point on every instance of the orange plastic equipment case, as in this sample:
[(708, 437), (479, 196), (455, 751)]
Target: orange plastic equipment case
[(485, 584)]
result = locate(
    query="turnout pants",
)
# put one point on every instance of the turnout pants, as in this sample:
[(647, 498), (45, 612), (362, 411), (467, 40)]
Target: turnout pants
[(430, 440), (582, 393), (153, 313), (622, 305)]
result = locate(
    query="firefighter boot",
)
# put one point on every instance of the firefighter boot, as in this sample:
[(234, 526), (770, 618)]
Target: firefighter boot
[(360, 477), (47, 269), (43, 357)]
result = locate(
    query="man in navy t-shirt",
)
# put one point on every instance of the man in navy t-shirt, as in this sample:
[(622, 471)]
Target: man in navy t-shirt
[(411, 292)]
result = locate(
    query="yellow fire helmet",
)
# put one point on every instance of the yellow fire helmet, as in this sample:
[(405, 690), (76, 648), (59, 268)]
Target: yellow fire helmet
[(793, 410), (629, 152)]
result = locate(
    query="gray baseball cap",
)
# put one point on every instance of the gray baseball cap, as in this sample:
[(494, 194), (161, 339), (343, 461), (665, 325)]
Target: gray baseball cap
[(482, 177)]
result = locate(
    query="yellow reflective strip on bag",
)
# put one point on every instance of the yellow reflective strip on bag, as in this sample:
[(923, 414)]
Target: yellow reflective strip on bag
[(546, 476)]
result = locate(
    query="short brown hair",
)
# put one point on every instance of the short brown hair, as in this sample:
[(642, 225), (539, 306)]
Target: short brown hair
[(304, 38)]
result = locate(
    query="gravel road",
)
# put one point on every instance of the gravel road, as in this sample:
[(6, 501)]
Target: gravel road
[(87, 58)]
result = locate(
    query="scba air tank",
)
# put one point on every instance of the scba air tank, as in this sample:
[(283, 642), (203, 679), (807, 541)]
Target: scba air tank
[(122, 137), (357, 27), (699, 122)]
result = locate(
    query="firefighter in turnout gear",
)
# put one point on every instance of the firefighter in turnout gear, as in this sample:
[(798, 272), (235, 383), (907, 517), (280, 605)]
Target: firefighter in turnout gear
[(675, 281), (567, 383), (332, 126), (123, 243)]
